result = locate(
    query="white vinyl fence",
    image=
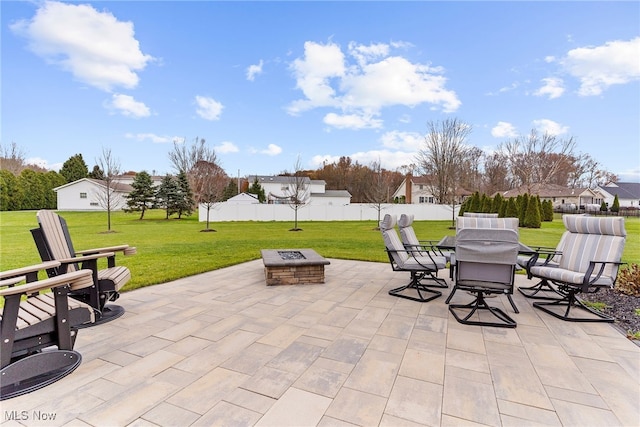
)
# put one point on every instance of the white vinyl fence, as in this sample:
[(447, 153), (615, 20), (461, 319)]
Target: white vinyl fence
[(353, 212)]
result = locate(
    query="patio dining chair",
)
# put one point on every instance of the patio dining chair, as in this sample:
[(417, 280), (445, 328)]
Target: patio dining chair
[(411, 242), (590, 260), (38, 330), (485, 264), (422, 268), (54, 243)]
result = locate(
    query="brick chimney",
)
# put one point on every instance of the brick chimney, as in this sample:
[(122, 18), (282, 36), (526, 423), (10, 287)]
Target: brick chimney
[(407, 188)]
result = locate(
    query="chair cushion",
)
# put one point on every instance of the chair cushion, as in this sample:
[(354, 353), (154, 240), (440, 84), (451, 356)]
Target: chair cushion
[(405, 221), (479, 222), (611, 226), (567, 276), (388, 222)]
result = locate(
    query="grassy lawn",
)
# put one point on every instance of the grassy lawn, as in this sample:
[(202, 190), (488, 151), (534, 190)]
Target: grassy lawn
[(170, 249)]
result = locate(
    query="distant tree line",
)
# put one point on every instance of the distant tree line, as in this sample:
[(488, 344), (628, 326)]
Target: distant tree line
[(446, 159)]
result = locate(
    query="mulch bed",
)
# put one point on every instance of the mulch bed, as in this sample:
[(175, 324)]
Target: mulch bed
[(620, 306)]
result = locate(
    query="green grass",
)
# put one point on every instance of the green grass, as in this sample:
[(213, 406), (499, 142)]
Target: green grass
[(170, 249)]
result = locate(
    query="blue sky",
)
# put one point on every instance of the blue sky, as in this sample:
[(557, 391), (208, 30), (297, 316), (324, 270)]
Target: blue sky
[(266, 83)]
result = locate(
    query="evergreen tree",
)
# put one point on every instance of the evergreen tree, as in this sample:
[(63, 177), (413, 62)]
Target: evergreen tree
[(532, 216), (522, 208), (257, 189), (475, 203), (603, 206), (502, 213), (486, 204), (33, 190), (96, 173), (10, 191), (512, 208), (184, 203), (142, 196), (230, 190), (74, 168), (167, 195), (615, 207), (547, 211), (496, 204), (51, 180)]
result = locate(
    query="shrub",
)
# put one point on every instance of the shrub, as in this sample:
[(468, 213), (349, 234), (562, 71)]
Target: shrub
[(628, 281)]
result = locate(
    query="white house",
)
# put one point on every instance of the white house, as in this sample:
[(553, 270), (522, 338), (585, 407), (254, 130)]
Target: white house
[(279, 190), (89, 194), (628, 194)]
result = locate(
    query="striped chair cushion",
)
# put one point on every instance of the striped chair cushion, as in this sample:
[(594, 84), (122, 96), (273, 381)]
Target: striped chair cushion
[(479, 222)]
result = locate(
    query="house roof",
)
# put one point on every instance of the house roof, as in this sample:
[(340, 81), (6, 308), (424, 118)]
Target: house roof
[(332, 193), (544, 190), (282, 179), (624, 190), (117, 186)]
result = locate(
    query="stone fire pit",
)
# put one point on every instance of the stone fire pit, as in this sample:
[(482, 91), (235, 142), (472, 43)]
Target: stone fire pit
[(293, 266)]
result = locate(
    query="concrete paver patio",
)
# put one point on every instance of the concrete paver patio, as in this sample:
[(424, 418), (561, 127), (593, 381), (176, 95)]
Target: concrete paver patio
[(221, 348)]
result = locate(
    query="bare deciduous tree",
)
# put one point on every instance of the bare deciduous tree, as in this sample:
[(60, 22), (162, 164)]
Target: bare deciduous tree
[(298, 191), (443, 157), (206, 177), (209, 184), (12, 158), (380, 189), (108, 197), (535, 158)]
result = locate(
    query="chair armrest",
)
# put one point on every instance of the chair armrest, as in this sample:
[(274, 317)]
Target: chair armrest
[(77, 280), (25, 271), (589, 280), (125, 249), (83, 258)]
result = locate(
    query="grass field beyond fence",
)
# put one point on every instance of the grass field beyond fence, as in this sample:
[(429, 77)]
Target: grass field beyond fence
[(171, 249)]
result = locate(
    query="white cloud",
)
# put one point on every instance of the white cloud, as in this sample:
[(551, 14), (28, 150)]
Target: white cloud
[(43, 163), (352, 121), (128, 106), (504, 130), (363, 86), (550, 127), (254, 70), (208, 108), (94, 46), (226, 147), (598, 67), (412, 141), (553, 88), (156, 139), (272, 150)]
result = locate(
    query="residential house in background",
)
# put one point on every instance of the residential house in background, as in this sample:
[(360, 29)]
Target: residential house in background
[(561, 197), (628, 194), (88, 194), (417, 190), (279, 190)]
